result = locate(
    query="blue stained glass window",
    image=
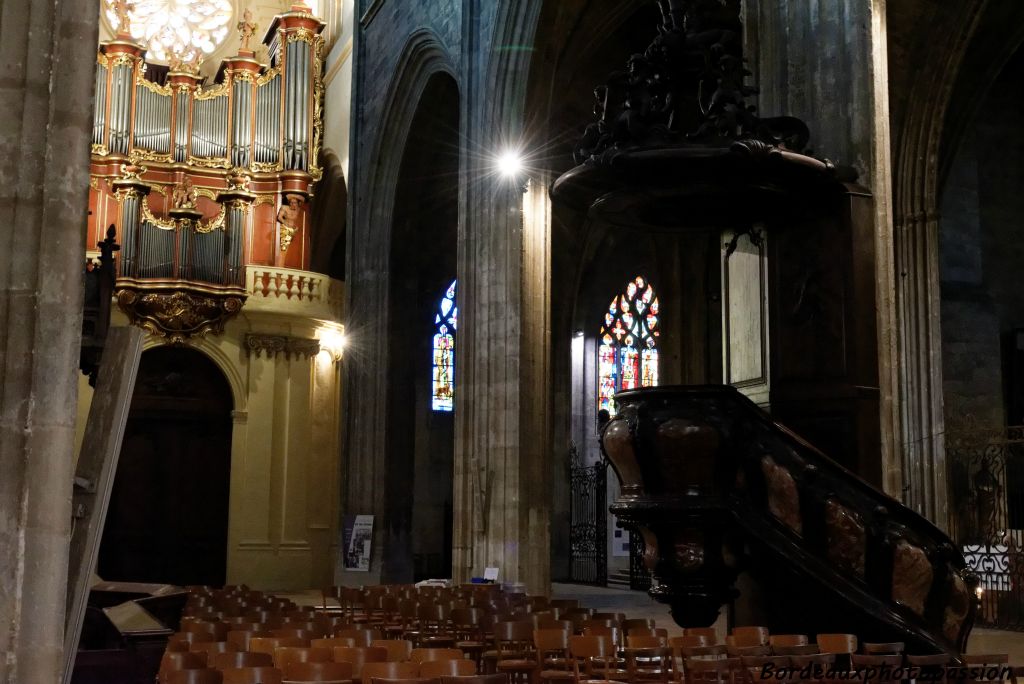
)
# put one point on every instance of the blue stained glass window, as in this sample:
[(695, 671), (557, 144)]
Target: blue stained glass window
[(443, 367)]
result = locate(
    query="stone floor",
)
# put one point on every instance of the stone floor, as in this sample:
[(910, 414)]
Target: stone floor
[(637, 604)]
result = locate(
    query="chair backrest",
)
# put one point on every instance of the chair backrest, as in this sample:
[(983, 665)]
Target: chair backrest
[(336, 673), (331, 642), (689, 641), (616, 618), (647, 631), (511, 635), (708, 633), (748, 636), (822, 659), (758, 650), (300, 654), (705, 670), (389, 670), (986, 659), (555, 623), (209, 647), (861, 660), (223, 661), (219, 630), (637, 623), (800, 649), (269, 644), (887, 647), (656, 662), (613, 633), (716, 651), (591, 655), (645, 641), (432, 669), (241, 638), (307, 631), (398, 649), (550, 640), (931, 660), (359, 656), (420, 655), (204, 676), (362, 637), (777, 640), (180, 660), (837, 643), (252, 675)]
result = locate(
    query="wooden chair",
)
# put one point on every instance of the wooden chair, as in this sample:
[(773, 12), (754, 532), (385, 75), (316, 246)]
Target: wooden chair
[(618, 618), (708, 633), (892, 647), (332, 642), (786, 640), (203, 676), (173, 661), (304, 630), (651, 664), (932, 667), (433, 669), (701, 670), (637, 623), (553, 660), (241, 638), (224, 661), (593, 655), (398, 650), (758, 650), (361, 637), (645, 641), (359, 657), (389, 670), (866, 666), (516, 656), (298, 654), (990, 667), (647, 631), (324, 673), (252, 675), (742, 637), (211, 647), (270, 644), (756, 666), (824, 660), (801, 649), (837, 643), (565, 604), (420, 655), (219, 630)]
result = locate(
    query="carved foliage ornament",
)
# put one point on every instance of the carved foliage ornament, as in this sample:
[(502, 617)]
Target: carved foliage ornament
[(272, 345), (179, 315), (783, 497)]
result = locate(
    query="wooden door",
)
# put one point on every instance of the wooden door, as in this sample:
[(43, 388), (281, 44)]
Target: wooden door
[(168, 514)]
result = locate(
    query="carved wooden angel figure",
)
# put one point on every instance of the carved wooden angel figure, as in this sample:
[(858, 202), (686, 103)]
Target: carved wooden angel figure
[(184, 195), (288, 216), (246, 30)]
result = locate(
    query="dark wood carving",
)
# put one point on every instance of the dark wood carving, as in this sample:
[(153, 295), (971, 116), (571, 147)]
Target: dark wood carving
[(843, 555), (783, 499), (99, 291), (912, 576), (846, 537)]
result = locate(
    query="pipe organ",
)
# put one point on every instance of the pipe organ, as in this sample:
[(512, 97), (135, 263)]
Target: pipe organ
[(201, 179)]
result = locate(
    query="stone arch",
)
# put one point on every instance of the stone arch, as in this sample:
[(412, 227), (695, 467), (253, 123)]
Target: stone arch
[(330, 218), (365, 396), (921, 150), (229, 367)]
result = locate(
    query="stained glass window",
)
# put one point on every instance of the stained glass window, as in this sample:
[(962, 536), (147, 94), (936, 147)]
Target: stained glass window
[(184, 29), (443, 381), (627, 352)]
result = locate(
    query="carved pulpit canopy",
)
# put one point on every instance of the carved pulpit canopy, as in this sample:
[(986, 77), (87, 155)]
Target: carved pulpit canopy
[(676, 144)]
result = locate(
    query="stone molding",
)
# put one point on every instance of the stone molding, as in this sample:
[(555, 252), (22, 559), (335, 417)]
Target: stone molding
[(272, 345)]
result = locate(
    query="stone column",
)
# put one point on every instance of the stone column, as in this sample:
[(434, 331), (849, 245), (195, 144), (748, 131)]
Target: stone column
[(801, 54), (502, 488), (47, 61)]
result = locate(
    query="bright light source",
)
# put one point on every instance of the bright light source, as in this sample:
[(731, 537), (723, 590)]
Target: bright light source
[(510, 163), (332, 341)]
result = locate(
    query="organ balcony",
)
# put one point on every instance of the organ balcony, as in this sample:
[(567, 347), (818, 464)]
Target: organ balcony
[(203, 181)]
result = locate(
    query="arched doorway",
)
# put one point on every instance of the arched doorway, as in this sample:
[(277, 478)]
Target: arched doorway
[(168, 515), (424, 243)]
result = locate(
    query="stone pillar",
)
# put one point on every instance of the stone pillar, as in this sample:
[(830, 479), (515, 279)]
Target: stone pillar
[(801, 54), (47, 61)]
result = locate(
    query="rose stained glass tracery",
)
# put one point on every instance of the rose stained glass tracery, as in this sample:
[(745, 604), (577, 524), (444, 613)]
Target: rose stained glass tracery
[(627, 353)]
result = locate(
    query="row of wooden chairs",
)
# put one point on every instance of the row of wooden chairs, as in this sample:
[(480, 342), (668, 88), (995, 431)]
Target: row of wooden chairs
[(312, 673)]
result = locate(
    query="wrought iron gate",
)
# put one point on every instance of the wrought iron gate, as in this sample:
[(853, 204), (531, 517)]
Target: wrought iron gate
[(986, 486), (588, 520)]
